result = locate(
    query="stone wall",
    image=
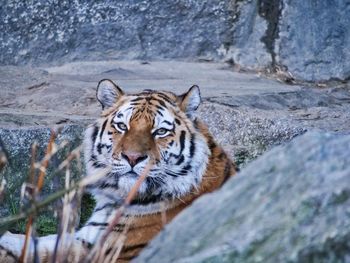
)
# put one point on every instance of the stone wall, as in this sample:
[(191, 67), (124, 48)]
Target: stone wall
[(56, 31), (310, 39)]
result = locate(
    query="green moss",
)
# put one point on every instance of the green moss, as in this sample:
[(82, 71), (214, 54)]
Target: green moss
[(242, 157), (46, 225), (87, 207)]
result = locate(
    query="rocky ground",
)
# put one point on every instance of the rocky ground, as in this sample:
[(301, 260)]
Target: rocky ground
[(247, 113)]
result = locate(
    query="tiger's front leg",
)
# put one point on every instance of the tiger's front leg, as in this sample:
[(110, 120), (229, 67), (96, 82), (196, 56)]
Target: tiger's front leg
[(11, 248)]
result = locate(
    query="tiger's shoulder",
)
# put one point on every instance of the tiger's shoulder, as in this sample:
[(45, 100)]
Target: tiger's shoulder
[(219, 162)]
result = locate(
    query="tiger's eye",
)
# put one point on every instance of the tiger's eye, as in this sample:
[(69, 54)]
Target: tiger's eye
[(161, 131), (122, 126)]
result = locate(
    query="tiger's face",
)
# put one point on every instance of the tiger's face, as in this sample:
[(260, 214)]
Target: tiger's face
[(150, 126)]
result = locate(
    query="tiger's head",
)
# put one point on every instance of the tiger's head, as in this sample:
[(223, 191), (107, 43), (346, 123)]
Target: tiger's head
[(149, 126)]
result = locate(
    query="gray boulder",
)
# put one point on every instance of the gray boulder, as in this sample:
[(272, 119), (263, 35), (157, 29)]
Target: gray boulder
[(250, 30), (309, 39), (290, 205), (314, 39)]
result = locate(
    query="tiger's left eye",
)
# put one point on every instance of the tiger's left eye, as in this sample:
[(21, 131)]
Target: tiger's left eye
[(122, 126), (160, 131)]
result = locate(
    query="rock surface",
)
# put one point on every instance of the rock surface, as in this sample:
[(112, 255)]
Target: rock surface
[(314, 39), (246, 113), (309, 39), (290, 205), (57, 31)]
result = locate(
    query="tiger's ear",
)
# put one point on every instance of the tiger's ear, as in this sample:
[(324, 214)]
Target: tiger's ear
[(108, 93), (190, 100)]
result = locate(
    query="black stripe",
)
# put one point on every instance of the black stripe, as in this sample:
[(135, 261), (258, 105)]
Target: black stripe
[(133, 247), (211, 144), (185, 170), (181, 160), (192, 146), (167, 122), (137, 99), (171, 174), (109, 205), (146, 200), (99, 148), (227, 171), (160, 102), (177, 121), (120, 115), (86, 244), (108, 185), (127, 258), (195, 122), (182, 141), (222, 156), (98, 164), (96, 224), (9, 253), (166, 98), (103, 128), (136, 104), (160, 113), (94, 135), (159, 107)]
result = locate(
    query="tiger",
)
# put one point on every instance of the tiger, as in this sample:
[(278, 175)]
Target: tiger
[(135, 129)]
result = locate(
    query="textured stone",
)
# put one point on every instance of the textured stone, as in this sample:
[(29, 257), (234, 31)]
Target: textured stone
[(309, 39), (290, 205), (247, 49), (314, 39), (56, 31), (246, 113)]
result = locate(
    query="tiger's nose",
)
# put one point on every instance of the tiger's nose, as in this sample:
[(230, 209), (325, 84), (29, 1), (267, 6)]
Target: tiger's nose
[(133, 157)]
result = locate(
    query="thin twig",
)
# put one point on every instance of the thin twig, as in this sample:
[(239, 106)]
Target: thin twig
[(3, 155), (49, 149), (36, 192), (32, 162)]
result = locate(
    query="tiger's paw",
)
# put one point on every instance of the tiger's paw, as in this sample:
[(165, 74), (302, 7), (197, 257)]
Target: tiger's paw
[(10, 247)]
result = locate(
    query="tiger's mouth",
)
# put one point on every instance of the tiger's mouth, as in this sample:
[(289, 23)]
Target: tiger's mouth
[(131, 174)]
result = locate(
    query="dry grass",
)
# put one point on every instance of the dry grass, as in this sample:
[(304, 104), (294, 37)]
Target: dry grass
[(68, 216)]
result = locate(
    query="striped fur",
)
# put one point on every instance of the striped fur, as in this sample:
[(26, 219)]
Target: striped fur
[(135, 129)]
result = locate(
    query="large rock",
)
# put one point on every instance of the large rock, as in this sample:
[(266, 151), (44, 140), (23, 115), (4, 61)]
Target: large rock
[(249, 48), (314, 39), (290, 205), (56, 31), (309, 39)]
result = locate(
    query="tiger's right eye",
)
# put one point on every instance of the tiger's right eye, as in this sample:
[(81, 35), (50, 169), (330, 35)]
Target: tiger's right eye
[(121, 126)]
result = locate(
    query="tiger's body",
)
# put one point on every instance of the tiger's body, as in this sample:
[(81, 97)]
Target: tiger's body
[(133, 131)]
